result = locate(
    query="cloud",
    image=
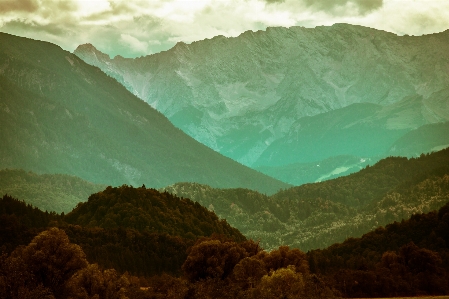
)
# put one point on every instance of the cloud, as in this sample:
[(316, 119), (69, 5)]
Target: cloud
[(20, 25), (135, 44), (342, 7), (135, 27), (18, 5)]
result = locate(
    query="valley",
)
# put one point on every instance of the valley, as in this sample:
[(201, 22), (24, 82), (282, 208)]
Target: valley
[(279, 163), (294, 95)]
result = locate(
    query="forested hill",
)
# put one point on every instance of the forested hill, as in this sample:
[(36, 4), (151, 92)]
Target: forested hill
[(317, 215), (147, 209), (403, 259), (400, 259), (129, 229), (373, 182), (48, 192)]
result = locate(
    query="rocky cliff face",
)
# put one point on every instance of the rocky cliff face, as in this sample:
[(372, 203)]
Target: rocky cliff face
[(240, 95)]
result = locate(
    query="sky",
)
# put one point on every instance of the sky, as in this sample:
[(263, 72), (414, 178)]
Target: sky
[(137, 28)]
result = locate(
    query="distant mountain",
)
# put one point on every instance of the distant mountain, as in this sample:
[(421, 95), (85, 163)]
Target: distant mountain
[(60, 115), (48, 192), (330, 168), (257, 98), (428, 138), (317, 215)]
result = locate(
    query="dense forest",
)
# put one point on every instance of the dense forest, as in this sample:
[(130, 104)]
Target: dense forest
[(317, 215), (308, 217), (72, 256), (401, 259)]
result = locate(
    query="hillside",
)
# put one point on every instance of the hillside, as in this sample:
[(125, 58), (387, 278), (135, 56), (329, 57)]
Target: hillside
[(258, 97), (302, 173), (62, 262), (401, 259), (130, 229), (147, 209), (317, 215), (48, 192), (60, 115)]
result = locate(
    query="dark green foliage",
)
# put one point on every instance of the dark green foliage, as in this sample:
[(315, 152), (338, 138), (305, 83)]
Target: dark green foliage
[(387, 263), (20, 222), (317, 215), (371, 183), (149, 210), (140, 253), (52, 267)]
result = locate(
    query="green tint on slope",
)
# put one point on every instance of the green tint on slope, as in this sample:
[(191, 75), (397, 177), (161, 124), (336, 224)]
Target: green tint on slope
[(60, 115), (48, 192), (319, 214)]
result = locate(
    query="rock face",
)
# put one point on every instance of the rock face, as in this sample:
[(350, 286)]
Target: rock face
[(61, 115), (245, 96)]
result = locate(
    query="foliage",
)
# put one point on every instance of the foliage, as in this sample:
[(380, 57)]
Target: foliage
[(317, 215), (145, 209), (51, 267), (402, 259)]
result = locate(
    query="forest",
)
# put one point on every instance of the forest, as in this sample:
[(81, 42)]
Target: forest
[(318, 215), (97, 252)]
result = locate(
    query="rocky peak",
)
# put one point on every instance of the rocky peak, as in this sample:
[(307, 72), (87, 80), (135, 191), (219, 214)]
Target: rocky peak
[(240, 94)]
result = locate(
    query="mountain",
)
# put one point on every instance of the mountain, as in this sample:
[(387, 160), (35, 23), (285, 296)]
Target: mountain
[(431, 137), (330, 168), (258, 97), (48, 192), (317, 215), (60, 115)]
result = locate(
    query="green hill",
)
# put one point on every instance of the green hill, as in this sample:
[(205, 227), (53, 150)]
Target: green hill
[(51, 192), (317, 215)]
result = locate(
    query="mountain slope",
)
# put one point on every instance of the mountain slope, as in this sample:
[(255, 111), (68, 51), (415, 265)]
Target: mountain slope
[(239, 95), (60, 115), (48, 192), (432, 137), (316, 215)]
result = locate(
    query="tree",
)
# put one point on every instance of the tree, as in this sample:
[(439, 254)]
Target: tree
[(282, 283), (212, 259)]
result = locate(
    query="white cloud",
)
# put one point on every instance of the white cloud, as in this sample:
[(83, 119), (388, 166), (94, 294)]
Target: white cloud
[(135, 44), (137, 27)]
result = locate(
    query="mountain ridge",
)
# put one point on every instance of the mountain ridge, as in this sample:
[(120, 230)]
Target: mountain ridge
[(243, 94), (61, 115)]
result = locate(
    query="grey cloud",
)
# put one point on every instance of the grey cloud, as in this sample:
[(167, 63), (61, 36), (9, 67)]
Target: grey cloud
[(22, 26), (331, 6), (334, 6), (18, 5)]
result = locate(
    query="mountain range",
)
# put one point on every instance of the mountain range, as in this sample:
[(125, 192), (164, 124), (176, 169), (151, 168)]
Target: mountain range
[(61, 115), (272, 99)]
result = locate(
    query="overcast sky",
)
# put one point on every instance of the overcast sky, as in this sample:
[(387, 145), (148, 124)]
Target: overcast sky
[(135, 28)]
